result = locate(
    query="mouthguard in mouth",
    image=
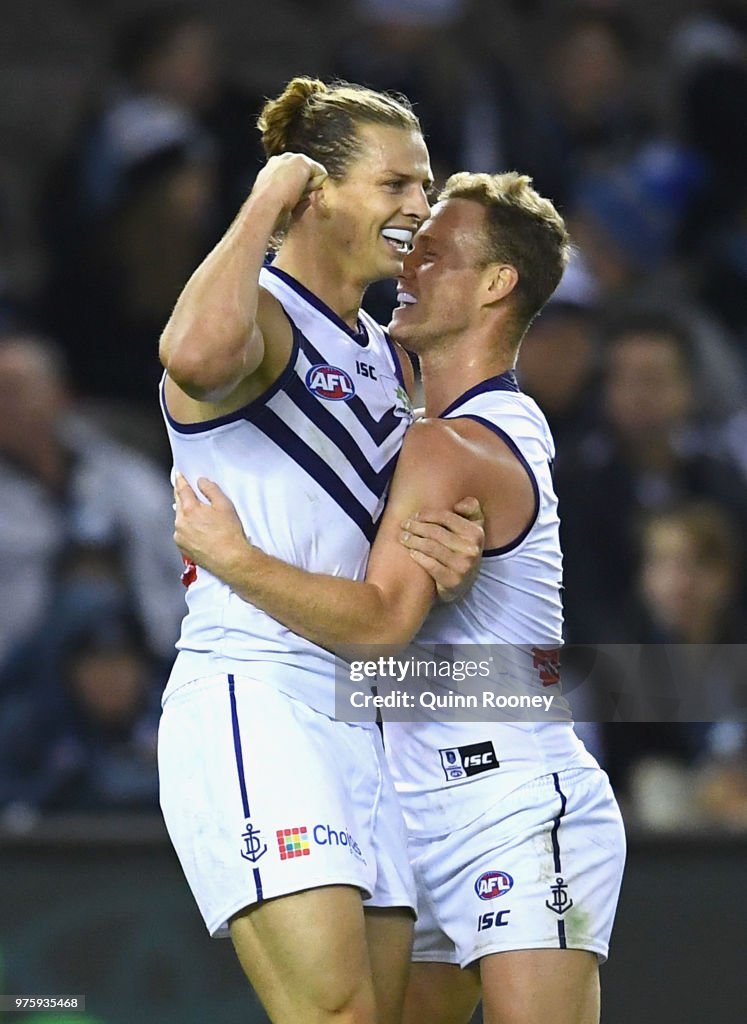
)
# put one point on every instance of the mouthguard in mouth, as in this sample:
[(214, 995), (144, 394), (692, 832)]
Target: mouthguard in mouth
[(401, 236)]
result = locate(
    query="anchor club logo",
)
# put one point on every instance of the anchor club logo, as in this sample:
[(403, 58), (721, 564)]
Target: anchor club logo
[(561, 901), (254, 848)]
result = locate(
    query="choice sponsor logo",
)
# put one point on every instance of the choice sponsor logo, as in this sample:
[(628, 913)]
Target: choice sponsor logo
[(296, 842), (330, 383), (492, 884), (293, 842), (325, 835)]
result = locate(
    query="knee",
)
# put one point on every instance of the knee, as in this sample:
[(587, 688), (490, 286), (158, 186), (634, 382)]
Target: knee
[(348, 1004)]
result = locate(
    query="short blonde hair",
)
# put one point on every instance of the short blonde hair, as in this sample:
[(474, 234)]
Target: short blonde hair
[(523, 229), (322, 121)]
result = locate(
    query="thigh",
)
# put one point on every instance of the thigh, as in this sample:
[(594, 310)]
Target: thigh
[(306, 956), (534, 986), (261, 796), (389, 938), (441, 993)]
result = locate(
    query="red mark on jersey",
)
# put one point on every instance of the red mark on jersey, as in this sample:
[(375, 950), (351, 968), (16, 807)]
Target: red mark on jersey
[(189, 572), (548, 665)]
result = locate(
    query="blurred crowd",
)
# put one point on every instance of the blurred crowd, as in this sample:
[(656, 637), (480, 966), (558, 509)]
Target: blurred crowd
[(632, 124)]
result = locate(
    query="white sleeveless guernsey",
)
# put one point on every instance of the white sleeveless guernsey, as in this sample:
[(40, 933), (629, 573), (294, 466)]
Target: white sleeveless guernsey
[(307, 466), (513, 613)]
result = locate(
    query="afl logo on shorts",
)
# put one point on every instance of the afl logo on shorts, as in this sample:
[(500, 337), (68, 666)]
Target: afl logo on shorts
[(330, 383), (493, 884)]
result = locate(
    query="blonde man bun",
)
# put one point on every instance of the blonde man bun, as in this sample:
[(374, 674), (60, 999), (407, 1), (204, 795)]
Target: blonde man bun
[(278, 121), (323, 121)]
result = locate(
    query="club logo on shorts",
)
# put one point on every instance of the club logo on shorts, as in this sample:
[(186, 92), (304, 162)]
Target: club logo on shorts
[(462, 762), (561, 901), (254, 848), (492, 884), (293, 842), (330, 383)]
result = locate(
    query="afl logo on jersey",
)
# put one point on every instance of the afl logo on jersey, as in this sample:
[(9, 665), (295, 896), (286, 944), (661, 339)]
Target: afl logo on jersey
[(330, 383), (492, 884)]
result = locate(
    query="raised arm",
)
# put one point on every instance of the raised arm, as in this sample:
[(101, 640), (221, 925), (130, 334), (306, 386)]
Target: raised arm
[(214, 338), (436, 467)]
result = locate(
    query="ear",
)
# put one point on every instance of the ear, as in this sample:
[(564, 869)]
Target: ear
[(318, 200), (315, 201), (500, 281)]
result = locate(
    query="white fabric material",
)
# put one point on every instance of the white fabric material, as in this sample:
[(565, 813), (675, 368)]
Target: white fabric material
[(275, 777), (514, 609), (287, 461), (540, 869)]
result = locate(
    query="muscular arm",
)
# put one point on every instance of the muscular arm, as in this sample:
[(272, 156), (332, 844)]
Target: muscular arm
[(391, 604), (214, 338)]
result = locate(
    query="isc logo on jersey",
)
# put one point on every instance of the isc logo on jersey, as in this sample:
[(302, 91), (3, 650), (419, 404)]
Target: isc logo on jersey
[(492, 884), (330, 383)]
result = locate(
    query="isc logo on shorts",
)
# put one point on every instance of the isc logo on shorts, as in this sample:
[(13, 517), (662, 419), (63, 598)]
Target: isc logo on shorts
[(462, 762), (492, 884), (330, 383)]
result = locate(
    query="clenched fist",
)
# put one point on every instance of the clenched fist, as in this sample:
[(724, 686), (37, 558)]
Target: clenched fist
[(289, 178)]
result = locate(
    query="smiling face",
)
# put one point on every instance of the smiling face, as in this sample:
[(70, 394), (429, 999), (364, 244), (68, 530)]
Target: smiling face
[(373, 212), (440, 289)]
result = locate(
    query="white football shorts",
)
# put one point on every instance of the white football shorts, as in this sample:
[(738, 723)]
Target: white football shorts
[(264, 796), (541, 869)]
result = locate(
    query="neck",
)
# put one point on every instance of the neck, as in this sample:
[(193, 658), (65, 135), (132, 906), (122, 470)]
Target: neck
[(451, 370), (319, 268)]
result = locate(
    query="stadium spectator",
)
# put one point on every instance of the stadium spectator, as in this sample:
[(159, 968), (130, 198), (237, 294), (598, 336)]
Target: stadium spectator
[(688, 593), (708, 66), (650, 449), (559, 366), (120, 303), (476, 112), (67, 487), (166, 66), (627, 219), (151, 181), (81, 733), (721, 784), (593, 92), (721, 276), (689, 577)]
